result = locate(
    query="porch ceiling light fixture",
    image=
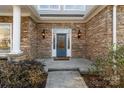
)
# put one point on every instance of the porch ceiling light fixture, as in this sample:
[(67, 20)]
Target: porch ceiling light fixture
[(79, 34), (43, 33)]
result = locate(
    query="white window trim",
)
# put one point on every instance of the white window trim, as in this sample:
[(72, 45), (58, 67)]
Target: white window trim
[(10, 24), (49, 9), (65, 9)]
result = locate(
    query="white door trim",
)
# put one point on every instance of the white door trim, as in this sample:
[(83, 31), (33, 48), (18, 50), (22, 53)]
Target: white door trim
[(55, 31)]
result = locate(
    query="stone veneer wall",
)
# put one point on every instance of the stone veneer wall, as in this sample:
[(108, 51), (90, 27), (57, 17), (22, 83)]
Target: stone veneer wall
[(28, 34), (33, 38), (99, 34), (44, 45), (96, 37), (120, 25), (25, 40), (95, 41)]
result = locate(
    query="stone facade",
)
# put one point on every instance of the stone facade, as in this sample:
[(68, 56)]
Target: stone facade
[(99, 34), (44, 45), (120, 25), (25, 43), (33, 38), (28, 34), (95, 41)]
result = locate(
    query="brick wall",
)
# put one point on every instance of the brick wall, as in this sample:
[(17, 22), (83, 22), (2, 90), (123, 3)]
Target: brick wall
[(99, 34), (33, 38), (96, 39), (44, 45), (79, 45), (28, 34), (25, 39), (120, 25)]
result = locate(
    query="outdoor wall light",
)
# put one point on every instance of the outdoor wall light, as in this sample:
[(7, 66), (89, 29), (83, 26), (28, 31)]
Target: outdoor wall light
[(43, 33), (79, 34)]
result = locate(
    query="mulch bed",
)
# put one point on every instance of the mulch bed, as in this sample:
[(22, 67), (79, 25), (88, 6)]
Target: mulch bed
[(95, 81), (25, 74)]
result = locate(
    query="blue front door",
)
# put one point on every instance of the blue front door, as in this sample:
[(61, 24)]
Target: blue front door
[(61, 45)]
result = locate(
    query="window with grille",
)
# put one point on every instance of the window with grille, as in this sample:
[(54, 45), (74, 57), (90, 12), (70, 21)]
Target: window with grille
[(49, 7), (75, 7), (5, 36)]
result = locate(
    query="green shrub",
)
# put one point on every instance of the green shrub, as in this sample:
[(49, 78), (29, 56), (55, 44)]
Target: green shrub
[(112, 65), (26, 74)]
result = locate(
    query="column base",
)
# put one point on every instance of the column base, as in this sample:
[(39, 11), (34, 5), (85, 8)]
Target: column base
[(11, 54), (16, 52)]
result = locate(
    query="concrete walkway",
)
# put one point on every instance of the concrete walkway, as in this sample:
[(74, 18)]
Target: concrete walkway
[(65, 79), (66, 74)]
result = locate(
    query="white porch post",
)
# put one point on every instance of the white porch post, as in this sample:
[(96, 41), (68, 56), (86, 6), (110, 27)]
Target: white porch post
[(114, 28), (16, 29), (115, 79)]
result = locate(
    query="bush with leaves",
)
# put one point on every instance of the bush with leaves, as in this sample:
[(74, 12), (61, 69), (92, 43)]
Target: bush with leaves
[(111, 67), (26, 74)]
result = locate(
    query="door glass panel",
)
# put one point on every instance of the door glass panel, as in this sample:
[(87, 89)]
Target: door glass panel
[(61, 42), (68, 42), (61, 45), (54, 41)]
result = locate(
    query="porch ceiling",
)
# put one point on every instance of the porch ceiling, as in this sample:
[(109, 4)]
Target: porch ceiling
[(63, 10), (61, 15), (50, 16)]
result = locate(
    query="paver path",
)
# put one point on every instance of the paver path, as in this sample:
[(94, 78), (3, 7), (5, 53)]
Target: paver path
[(65, 79)]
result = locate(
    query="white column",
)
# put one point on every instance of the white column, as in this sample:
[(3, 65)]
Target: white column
[(114, 28), (16, 29)]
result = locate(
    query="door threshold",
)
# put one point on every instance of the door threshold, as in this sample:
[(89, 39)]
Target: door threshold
[(61, 58)]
